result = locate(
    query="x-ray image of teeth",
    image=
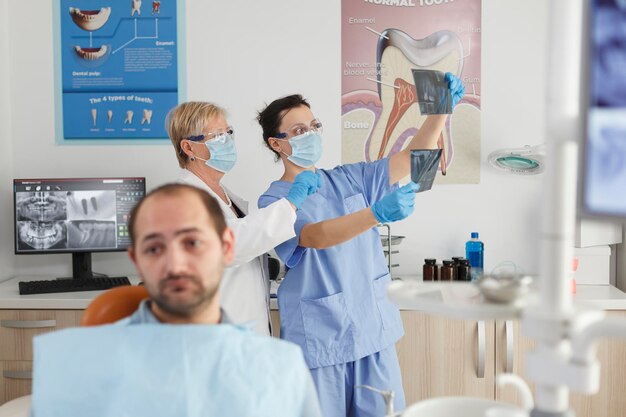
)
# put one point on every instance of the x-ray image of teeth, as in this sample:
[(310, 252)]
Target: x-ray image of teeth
[(91, 234), (91, 205), (433, 95), (610, 147), (609, 82), (41, 206), (39, 235)]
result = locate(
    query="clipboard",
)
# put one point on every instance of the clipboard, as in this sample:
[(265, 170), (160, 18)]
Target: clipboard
[(424, 164)]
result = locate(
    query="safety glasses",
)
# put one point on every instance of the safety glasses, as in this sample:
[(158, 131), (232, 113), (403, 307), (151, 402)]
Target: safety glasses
[(301, 129), (212, 135)]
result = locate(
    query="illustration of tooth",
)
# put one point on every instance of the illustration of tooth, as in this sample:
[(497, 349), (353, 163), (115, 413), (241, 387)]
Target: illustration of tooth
[(147, 116), (129, 117), (109, 115), (156, 7), (90, 20), (94, 113), (91, 54), (136, 8), (395, 57)]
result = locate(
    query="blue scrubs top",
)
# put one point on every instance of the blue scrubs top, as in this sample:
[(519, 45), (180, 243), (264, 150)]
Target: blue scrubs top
[(333, 301)]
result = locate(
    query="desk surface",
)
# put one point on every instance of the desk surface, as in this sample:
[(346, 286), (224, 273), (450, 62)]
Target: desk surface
[(605, 297)]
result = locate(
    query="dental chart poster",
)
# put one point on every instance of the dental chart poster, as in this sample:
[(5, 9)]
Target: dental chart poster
[(119, 68), (383, 41)]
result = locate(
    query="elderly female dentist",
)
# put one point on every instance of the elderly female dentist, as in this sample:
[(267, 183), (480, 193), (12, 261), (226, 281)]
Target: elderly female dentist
[(333, 299), (205, 148)]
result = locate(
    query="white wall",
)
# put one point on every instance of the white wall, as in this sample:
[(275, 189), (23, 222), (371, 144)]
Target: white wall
[(7, 259), (242, 55)]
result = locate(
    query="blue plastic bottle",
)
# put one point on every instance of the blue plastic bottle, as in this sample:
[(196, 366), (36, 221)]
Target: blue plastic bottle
[(474, 250)]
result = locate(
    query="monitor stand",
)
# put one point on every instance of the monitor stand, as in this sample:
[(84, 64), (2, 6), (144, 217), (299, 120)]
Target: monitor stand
[(81, 267)]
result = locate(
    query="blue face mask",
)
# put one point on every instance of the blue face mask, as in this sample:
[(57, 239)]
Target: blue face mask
[(306, 149), (223, 153)]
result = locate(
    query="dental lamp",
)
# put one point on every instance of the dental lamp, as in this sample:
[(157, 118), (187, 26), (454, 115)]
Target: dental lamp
[(527, 160)]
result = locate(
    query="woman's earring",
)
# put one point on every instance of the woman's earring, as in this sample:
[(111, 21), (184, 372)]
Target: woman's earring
[(192, 158)]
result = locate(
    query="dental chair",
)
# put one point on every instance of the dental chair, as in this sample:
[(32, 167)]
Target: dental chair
[(108, 307)]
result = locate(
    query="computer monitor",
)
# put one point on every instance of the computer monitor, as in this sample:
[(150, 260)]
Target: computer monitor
[(74, 215), (603, 157)]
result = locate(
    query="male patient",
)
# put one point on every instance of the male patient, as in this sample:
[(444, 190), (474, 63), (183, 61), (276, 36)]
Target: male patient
[(178, 362)]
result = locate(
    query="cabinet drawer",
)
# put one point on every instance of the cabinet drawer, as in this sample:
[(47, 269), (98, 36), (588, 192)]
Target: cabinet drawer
[(18, 327), (15, 379)]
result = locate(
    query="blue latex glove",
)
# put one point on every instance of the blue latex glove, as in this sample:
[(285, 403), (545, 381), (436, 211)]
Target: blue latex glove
[(457, 89), (396, 205), (305, 184)]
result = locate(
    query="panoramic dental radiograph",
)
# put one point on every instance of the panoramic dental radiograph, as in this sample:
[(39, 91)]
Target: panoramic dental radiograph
[(66, 220), (41, 217)]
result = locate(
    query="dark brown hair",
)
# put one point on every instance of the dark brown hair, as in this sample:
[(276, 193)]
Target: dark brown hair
[(271, 116), (212, 206)]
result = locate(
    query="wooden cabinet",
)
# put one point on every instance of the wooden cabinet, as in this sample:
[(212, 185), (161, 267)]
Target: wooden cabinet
[(17, 329), (439, 357)]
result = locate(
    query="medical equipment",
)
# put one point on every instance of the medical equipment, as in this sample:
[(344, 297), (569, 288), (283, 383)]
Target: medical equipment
[(565, 334), (77, 216), (528, 160)]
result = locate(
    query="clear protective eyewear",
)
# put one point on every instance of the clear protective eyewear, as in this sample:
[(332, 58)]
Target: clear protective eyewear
[(212, 135), (301, 129)]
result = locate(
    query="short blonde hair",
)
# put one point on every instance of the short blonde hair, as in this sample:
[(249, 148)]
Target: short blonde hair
[(189, 119)]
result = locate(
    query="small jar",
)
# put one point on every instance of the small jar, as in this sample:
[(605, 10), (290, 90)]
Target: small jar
[(456, 260), (463, 270), (447, 270), (430, 269)]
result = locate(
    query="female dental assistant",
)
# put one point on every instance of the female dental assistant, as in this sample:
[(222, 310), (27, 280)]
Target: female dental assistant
[(332, 301), (205, 149)]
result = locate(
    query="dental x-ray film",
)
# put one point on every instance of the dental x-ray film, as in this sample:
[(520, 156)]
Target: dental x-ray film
[(433, 95), (424, 167)]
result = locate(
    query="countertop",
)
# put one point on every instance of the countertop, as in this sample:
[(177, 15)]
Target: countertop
[(605, 297)]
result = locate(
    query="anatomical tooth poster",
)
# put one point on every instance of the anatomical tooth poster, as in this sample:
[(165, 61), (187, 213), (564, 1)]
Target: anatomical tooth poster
[(386, 46), (118, 65)]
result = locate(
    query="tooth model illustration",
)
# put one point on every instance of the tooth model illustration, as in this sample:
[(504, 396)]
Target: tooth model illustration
[(94, 113), (147, 116), (156, 7), (109, 115), (90, 20), (136, 8), (129, 117), (91, 54), (397, 54)]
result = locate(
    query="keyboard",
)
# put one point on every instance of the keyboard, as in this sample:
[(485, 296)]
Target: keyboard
[(70, 285)]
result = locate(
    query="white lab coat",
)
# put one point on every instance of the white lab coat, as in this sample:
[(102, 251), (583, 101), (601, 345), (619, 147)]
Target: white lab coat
[(244, 289)]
